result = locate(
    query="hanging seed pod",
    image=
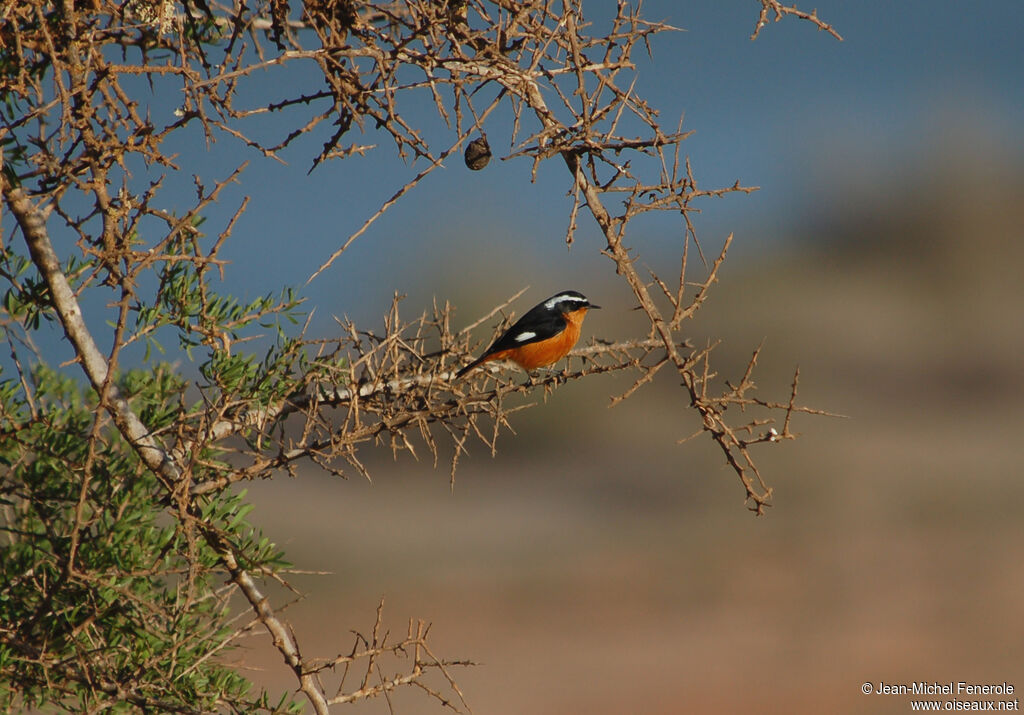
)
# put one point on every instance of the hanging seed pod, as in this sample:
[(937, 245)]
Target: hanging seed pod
[(478, 153)]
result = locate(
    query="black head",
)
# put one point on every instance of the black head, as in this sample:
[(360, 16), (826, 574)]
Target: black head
[(568, 301)]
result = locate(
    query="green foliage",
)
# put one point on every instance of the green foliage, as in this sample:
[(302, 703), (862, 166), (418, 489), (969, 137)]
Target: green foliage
[(99, 586), (27, 298), (112, 590)]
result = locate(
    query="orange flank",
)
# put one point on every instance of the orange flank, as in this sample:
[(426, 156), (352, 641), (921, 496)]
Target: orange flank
[(545, 352)]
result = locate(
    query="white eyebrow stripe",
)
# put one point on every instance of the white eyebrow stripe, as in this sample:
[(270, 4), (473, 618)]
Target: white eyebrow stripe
[(551, 303), (525, 335)]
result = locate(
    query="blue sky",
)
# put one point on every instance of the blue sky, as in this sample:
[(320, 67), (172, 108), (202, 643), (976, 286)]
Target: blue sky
[(785, 112), (795, 112)]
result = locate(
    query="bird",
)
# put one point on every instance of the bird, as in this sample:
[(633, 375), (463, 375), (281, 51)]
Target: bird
[(542, 336)]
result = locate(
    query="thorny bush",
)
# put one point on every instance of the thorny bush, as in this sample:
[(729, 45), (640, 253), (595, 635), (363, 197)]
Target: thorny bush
[(123, 539)]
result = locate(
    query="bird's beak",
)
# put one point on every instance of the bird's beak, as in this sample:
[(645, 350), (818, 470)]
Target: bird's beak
[(594, 307)]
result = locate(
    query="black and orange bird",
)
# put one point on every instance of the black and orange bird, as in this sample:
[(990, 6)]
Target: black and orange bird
[(543, 336)]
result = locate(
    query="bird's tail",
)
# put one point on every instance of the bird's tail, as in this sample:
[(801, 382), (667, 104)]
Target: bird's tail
[(471, 365), (468, 368)]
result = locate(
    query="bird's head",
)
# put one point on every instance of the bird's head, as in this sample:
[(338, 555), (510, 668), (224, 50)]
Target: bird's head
[(569, 301)]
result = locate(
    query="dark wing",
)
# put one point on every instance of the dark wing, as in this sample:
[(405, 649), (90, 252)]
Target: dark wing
[(539, 323)]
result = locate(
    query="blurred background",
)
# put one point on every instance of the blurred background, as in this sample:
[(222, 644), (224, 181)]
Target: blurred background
[(596, 565)]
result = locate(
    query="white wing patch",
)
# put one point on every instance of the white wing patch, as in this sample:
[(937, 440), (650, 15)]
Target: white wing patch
[(525, 335), (563, 298)]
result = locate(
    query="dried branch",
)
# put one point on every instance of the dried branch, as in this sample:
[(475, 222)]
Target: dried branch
[(781, 10)]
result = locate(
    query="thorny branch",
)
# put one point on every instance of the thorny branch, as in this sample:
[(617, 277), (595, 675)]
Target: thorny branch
[(75, 122), (781, 11)]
